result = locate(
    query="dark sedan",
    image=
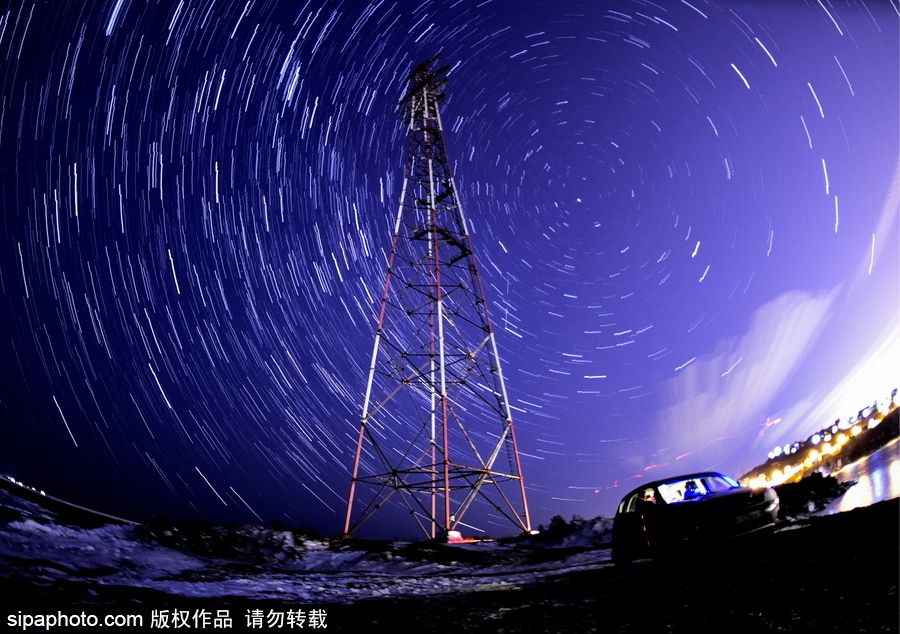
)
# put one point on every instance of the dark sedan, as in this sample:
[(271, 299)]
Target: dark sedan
[(686, 513)]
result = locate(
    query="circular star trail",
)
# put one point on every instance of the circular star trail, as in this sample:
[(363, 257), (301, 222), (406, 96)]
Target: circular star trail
[(685, 215)]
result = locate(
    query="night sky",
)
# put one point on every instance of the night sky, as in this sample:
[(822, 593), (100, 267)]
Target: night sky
[(685, 215)]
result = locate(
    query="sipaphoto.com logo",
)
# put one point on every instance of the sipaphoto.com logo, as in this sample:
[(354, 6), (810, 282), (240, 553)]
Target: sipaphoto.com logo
[(24, 621)]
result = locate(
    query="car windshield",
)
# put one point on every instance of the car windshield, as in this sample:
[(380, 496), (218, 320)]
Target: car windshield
[(695, 487)]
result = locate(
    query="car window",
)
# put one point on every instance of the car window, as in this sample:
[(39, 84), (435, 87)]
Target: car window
[(632, 502), (684, 490), (673, 491), (694, 488), (676, 491), (715, 484)]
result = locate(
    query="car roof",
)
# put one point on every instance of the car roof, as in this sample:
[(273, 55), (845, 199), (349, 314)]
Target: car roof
[(690, 476)]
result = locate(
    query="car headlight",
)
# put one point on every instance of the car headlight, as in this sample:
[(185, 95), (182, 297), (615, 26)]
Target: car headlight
[(771, 500)]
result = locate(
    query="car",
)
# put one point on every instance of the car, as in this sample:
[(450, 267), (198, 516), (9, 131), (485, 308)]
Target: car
[(685, 514)]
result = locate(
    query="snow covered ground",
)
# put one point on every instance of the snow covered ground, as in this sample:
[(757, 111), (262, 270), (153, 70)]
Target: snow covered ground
[(37, 548)]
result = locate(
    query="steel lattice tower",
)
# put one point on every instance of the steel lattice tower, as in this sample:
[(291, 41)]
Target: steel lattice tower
[(436, 426)]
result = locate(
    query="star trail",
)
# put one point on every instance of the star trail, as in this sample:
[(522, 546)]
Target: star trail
[(198, 201)]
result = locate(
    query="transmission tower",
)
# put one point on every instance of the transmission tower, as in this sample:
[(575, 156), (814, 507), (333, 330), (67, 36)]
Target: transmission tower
[(436, 433)]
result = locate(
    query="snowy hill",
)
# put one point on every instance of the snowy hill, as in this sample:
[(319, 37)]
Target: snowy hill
[(47, 560)]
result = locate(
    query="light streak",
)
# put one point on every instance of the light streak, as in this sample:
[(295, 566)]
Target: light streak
[(172, 262), (830, 16), (159, 385), (741, 75), (238, 494), (816, 97), (113, 17), (211, 486), (766, 50), (835, 214), (808, 138), (872, 257), (728, 371), (694, 8), (845, 76), (65, 422)]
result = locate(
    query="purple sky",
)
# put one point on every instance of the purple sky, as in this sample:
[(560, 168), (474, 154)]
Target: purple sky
[(685, 214)]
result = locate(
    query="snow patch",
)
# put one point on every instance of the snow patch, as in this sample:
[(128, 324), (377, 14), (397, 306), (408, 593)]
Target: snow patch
[(270, 564)]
